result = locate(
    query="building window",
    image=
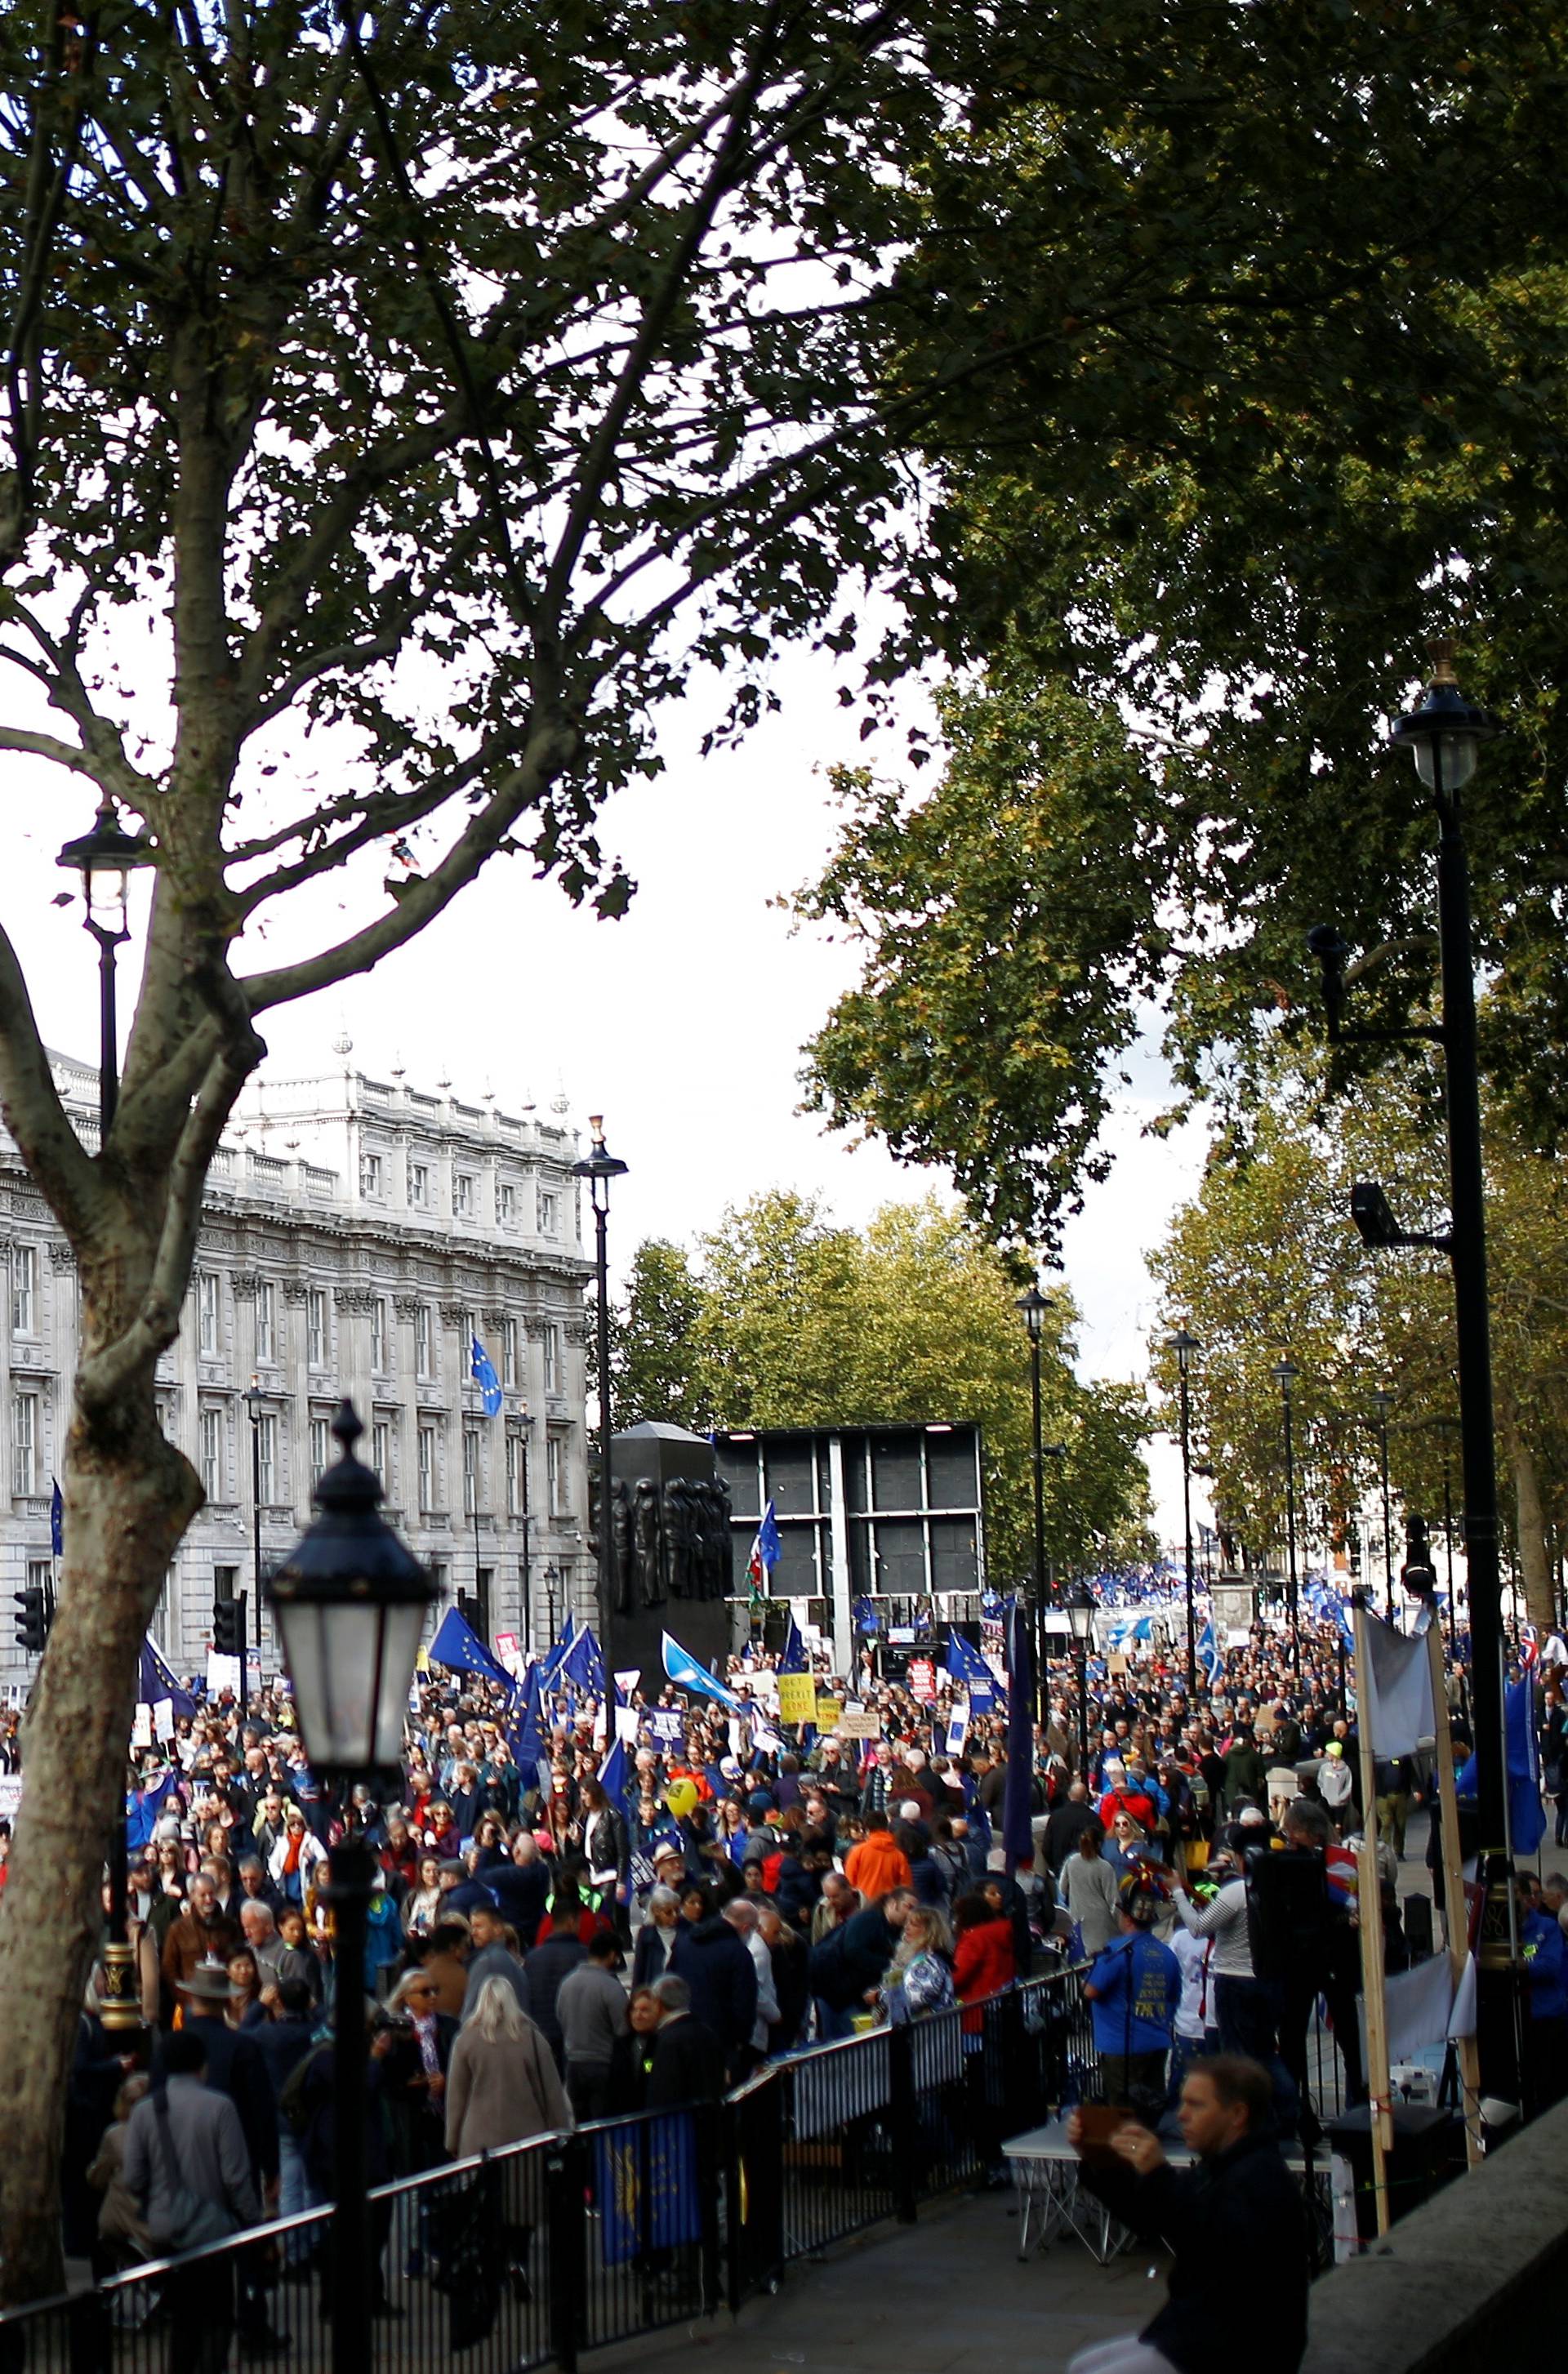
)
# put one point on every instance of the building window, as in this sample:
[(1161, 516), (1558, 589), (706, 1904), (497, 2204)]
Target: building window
[(427, 1466), (315, 1327), (164, 1413), (321, 1447), (549, 1212), (556, 1476), (553, 1357), (517, 1475), (24, 1444), (40, 1576), (24, 1289), (372, 1182), (509, 1352), (212, 1453), (462, 1195), (266, 1320), (470, 1470), (225, 1580), (206, 1314), (379, 1359), (266, 1458), (419, 1185), (380, 1452), (506, 1205), (422, 1340)]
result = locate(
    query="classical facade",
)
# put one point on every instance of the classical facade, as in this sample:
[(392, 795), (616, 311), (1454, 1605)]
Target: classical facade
[(358, 1235)]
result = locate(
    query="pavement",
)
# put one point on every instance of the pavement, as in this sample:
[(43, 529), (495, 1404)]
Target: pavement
[(946, 2295)]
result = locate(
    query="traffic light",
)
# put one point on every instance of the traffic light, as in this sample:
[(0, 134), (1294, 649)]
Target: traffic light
[(32, 1623), (229, 1625)]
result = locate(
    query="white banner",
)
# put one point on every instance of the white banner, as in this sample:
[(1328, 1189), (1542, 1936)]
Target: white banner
[(222, 1674), (1396, 1692)]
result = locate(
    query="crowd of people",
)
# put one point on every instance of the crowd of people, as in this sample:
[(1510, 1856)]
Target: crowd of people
[(542, 1951)]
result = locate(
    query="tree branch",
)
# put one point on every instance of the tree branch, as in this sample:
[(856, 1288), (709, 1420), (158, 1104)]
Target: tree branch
[(33, 1111), (551, 747)]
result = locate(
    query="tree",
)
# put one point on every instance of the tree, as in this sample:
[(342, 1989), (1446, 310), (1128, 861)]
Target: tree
[(1264, 1260), (396, 410), (1202, 583), (800, 1322), (654, 1356)]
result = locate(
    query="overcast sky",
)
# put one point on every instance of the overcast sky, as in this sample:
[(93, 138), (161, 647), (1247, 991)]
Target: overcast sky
[(683, 1023)]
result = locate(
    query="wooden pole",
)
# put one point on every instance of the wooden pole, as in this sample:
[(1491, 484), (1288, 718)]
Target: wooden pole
[(1380, 2107), (1455, 1928)]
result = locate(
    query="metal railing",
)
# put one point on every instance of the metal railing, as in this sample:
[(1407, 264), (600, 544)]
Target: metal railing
[(534, 2254)]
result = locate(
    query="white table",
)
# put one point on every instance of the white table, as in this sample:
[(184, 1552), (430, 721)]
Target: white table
[(1044, 2170)]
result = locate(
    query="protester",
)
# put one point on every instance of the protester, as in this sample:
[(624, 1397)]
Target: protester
[(591, 2008), (503, 2088)]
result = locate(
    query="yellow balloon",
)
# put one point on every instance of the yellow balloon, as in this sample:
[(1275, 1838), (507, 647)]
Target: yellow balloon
[(681, 1797)]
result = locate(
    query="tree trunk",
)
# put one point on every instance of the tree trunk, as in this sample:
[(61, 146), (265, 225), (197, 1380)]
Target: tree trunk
[(128, 1497), (1535, 1571)]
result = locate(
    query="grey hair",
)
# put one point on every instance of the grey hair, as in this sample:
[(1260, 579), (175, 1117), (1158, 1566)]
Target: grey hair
[(673, 1994), (400, 1991), (663, 1900), (497, 2015), (740, 1914)]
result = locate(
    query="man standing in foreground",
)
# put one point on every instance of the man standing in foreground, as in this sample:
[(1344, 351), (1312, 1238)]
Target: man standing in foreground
[(1235, 2222)]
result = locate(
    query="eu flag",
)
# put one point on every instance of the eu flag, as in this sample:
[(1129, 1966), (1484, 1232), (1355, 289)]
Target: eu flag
[(56, 1521), (483, 1370)]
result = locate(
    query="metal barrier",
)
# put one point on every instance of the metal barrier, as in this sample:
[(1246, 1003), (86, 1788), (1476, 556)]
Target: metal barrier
[(532, 2255)]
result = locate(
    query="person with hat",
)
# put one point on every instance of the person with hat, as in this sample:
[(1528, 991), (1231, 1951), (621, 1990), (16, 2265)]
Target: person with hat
[(235, 2067), (1136, 1989), (1336, 1781)]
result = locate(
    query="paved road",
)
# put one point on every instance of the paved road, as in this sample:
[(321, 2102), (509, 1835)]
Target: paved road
[(947, 2296)]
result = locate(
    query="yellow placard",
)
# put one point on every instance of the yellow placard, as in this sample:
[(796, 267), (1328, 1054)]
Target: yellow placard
[(828, 1713), (798, 1697)]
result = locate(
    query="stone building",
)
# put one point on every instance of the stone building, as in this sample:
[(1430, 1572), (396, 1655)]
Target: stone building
[(358, 1234)]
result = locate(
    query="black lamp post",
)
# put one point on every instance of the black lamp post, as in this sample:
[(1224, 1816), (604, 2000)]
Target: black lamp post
[(1383, 1402), (1285, 1374), (350, 1603), (105, 858), (1034, 1305), (1185, 1345), (1444, 736), (1078, 1601), (599, 1169), (255, 1407), (552, 1576)]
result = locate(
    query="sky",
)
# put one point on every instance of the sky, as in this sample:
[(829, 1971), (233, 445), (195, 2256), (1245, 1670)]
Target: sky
[(683, 1023)]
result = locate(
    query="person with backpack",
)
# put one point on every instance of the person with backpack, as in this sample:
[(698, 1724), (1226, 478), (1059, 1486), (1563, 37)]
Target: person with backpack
[(1135, 1988)]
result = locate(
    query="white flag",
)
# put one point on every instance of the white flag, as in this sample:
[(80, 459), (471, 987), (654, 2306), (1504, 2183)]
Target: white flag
[(1396, 1693)]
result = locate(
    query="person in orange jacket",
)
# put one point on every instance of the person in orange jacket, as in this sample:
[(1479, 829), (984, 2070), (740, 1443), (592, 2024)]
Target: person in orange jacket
[(879, 1863)]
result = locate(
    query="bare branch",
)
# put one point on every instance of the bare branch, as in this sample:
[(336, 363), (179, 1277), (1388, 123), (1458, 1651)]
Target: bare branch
[(31, 1106), (550, 747)]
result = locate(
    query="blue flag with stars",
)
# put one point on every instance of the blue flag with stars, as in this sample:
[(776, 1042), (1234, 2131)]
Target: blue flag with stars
[(483, 1370)]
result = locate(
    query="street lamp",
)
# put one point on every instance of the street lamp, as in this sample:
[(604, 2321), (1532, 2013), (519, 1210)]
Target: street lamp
[(1185, 1345), (599, 1169), (1383, 1402), (1079, 1602), (105, 858), (350, 1603), (1034, 1305), (1285, 1374), (552, 1576), (255, 1407)]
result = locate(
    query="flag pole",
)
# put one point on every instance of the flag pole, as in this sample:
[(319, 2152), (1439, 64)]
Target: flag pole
[(1380, 2108), (1455, 1924)]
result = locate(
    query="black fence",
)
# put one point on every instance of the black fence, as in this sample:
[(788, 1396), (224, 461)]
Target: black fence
[(533, 2255)]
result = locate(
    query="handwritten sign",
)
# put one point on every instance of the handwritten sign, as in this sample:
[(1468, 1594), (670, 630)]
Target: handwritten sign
[(797, 1698)]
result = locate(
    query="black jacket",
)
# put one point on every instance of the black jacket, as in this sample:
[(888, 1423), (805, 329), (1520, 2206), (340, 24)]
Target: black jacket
[(543, 1972), (1238, 2231), (712, 1959), (234, 2066), (521, 1890), (688, 2064)]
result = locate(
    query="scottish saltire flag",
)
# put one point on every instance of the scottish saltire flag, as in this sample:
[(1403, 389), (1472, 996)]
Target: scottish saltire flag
[(683, 1670), (1210, 1654), (765, 1552), (56, 1521), (457, 1643), (482, 1370), (792, 1656)]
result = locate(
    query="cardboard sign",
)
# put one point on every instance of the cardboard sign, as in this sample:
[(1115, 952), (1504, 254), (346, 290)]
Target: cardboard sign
[(1115, 1663), (222, 1674), (797, 1698), (860, 1725), (828, 1711)]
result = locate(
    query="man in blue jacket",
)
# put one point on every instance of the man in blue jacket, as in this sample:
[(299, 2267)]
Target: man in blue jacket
[(1234, 2221), (1136, 1987)]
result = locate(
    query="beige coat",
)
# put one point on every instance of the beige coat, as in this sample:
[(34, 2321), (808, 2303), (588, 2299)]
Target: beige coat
[(501, 2093)]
